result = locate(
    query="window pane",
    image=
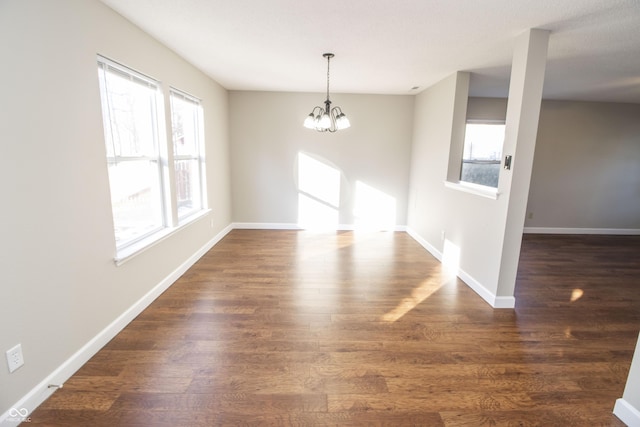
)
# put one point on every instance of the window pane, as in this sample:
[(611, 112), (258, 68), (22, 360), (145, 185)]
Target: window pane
[(136, 199), (188, 191), (482, 154), (184, 114), (130, 118), (131, 126), (185, 124)]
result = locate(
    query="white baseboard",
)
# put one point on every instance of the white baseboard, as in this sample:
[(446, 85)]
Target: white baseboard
[(563, 230), (627, 413), (41, 392), (430, 248), (292, 226), (504, 302), (493, 300), (265, 226)]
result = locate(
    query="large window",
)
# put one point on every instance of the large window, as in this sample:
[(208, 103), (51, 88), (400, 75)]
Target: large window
[(186, 124), (139, 156), (130, 103), (482, 153)]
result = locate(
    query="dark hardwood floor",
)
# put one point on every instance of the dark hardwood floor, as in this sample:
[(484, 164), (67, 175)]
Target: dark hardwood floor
[(302, 328)]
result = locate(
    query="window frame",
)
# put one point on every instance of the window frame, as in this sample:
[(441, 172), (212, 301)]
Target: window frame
[(105, 66), (163, 154), (199, 156), (497, 161)]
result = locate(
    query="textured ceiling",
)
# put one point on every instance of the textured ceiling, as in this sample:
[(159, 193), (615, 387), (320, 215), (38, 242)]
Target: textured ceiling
[(388, 47)]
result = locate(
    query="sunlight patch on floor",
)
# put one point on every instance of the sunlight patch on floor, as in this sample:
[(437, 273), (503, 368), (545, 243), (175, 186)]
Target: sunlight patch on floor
[(418, 295), (450, 265), (576, 294)]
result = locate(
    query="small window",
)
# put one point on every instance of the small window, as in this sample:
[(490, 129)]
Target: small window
[(130, 110), (186, 124), (482, 153)]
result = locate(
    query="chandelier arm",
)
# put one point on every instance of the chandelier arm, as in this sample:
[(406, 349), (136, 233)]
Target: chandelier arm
[(334, 116)]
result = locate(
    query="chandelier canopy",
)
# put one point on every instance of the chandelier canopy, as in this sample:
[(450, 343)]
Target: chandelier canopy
[(327, 118)]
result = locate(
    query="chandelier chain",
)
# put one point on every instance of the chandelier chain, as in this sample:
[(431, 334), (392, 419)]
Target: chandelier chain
[(328, 62)]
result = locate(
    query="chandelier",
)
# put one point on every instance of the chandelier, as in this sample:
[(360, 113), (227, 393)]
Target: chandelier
[(327, 118)]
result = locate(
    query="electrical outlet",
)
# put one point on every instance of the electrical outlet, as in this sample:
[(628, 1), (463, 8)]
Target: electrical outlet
[(15, 358)]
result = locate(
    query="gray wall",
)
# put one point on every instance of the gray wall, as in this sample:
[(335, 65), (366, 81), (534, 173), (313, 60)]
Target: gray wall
[(60, 286), (586, 169), (267, 135)]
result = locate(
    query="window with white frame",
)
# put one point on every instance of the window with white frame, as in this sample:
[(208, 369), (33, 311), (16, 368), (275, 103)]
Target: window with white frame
[(482, 153), (131, 105), (186, 125), (139, 157)]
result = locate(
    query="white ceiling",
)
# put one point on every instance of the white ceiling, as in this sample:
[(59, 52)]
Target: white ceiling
[(388, 47)]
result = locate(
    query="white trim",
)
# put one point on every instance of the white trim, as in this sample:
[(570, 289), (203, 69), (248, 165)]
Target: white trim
[(265, 226), (563, 230), (431, 249), (292, 226), (492, 299), (486, 121), (504, 302), (356, 227), (627, 413), (129, 252), (128, 70), (41, 392), (478, 190)]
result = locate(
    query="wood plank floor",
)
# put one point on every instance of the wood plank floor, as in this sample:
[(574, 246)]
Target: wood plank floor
[(301, 328)]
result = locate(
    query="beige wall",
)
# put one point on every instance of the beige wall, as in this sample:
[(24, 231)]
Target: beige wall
[(59, 285), (476, 231), (467, 220), (267, 135), (487, 109)]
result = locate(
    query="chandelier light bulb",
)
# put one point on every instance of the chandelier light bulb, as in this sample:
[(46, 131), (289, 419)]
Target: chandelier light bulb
[(325, 121), (342, 122), (310, 121)]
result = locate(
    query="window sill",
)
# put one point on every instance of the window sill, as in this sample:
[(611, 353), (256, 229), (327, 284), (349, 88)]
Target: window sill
[(478, 190), (125, 254)]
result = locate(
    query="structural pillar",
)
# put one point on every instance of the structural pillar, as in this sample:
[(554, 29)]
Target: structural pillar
[(523, 112)]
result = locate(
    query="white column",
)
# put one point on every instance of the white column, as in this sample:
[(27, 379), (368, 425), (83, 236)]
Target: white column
[(628, 408), (523, 111)]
